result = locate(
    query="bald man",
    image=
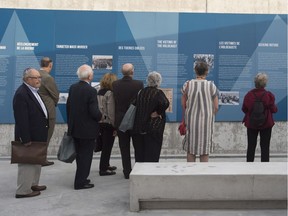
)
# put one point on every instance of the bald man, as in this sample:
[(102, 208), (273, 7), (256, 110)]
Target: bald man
[(125, 91)]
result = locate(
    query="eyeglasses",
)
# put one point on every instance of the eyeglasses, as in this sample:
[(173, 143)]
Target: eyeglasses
[(39, 78)]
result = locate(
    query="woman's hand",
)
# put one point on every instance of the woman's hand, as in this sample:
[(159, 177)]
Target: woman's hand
[(155, 115)]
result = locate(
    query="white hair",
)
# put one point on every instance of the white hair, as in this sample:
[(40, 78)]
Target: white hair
[(154, 79), (261, 80), (84, 71)]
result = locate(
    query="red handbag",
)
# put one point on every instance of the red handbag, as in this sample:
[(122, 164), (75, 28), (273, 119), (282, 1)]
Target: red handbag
[(182, 128)]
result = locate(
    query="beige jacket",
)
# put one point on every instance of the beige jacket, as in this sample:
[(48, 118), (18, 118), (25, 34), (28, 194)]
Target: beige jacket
[(107, 107), (49, 93)]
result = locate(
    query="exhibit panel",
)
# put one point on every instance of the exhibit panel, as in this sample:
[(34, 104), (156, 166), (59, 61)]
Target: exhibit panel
[(236, 47)]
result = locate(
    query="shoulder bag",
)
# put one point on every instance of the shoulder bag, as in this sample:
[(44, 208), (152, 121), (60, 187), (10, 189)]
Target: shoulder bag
[(66, 152), (36, 153), (128, 119)]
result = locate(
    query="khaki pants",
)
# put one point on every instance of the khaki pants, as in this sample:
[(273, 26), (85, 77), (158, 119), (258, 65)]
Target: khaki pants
[(28, 176)]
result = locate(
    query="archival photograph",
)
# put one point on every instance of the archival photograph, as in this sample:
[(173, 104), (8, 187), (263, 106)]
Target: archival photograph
[(229, 98), (208, 58), (102, 62)]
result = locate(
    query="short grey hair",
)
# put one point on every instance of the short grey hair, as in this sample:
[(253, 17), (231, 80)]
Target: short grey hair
[(27, 72), (154, 79), (260, 80), (84, 71)]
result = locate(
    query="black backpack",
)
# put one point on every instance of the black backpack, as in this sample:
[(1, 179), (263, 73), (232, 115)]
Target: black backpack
[(258, 114)]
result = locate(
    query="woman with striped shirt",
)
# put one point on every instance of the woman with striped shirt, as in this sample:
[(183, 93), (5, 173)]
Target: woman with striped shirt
[(200, 102)]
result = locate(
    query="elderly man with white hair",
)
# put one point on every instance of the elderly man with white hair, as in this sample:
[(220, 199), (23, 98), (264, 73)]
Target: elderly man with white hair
[(83, 115), (150, 120)]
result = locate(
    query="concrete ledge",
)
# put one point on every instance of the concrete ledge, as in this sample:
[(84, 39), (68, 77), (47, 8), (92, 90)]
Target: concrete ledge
[(208, 185)]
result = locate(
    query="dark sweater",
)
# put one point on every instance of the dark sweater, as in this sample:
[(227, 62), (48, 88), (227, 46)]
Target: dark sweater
[(150, 99)]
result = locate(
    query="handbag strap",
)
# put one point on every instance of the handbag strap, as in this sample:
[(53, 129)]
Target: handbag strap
[(135, 99)]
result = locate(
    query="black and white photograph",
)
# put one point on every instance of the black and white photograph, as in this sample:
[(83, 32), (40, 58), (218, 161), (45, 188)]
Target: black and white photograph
[(102, 62), (208, 58), (229, 98)]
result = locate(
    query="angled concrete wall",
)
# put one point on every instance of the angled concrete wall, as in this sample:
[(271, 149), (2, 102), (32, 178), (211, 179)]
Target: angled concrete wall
[(229, 137)]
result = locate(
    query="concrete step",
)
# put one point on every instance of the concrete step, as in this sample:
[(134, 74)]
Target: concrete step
[(208, 185)]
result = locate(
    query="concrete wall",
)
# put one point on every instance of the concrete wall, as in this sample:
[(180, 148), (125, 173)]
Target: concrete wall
[(209, 6), (229, 137)]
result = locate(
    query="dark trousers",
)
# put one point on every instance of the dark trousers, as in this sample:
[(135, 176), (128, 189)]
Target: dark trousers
[(84, 150), (108, 141), (265, 136), (124, 144), (148, 147)]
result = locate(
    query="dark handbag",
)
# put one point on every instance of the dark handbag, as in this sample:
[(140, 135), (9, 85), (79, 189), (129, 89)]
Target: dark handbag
[(182, 128), (36, 153), (128, 119), (66, 152)]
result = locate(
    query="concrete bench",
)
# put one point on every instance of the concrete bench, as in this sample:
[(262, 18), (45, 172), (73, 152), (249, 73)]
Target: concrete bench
[(213, 185)]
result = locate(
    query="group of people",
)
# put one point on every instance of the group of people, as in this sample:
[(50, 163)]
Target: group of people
[(92, 113), (89, 114), (200, 104)]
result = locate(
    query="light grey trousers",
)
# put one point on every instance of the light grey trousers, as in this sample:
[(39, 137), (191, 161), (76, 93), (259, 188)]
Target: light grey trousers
[(28, 175)]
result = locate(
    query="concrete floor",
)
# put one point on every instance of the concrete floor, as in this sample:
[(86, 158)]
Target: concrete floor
[(110, 196)]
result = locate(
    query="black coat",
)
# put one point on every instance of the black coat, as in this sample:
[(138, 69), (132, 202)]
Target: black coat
[(83, 113), (125, 91), (30, 121)]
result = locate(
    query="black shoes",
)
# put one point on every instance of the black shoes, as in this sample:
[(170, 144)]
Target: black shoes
[(112, 168), (86, 186), (107, 172)]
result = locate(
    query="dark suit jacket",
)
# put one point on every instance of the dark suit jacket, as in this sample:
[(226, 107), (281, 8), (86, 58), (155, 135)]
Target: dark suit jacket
[(83, 113), (30, 121), (125, 91)]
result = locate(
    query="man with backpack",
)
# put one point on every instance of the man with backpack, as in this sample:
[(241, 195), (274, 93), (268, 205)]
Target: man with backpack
[(258, 106)]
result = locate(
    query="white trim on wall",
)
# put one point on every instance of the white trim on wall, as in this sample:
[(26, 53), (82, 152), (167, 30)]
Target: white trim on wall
[(196, 6)]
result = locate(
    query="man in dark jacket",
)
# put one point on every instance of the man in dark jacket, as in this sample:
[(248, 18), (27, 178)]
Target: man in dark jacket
[(31, 124), (83, 115), (125, 91)]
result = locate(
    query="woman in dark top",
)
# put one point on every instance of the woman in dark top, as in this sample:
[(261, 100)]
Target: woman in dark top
[(150, 120), (265, 129)]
